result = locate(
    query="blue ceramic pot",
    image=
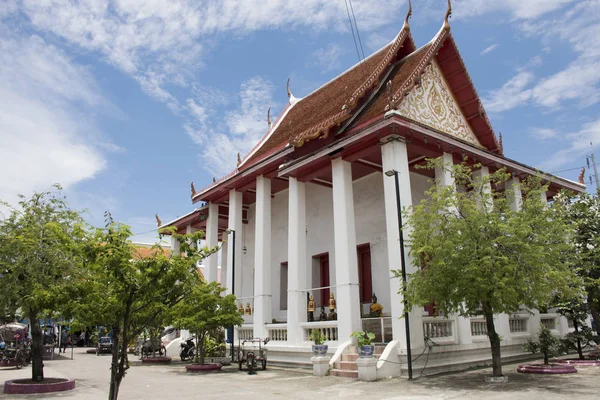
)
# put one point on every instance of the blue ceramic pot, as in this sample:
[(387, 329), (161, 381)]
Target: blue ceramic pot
[(319, 349), (366, 351)]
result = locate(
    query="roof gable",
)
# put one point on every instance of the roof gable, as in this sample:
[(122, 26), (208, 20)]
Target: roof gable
[(432, 104)]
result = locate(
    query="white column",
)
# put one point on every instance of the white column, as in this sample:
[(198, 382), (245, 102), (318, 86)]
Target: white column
[(175, 246), (212, 240), (297, 261), (235, 224), (514, 193), (262, 258), (346, 263), (445, 178), (395, 158), (224, 245)]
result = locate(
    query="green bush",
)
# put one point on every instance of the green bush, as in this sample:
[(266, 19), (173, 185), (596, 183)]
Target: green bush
[(363, 338), (547, 344), (317, 336)]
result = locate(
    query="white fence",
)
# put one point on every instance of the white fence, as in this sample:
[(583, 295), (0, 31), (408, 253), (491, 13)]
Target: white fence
[(518, 324), (277, 332), (328, 329)]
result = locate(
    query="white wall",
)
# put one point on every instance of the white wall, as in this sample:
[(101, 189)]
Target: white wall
[(370, 228)]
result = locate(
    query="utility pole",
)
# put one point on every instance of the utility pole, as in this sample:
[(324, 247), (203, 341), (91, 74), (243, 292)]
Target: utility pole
[(593, 159)]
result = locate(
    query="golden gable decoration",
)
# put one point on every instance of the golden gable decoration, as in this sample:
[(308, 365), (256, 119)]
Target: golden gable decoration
[(431, 103)]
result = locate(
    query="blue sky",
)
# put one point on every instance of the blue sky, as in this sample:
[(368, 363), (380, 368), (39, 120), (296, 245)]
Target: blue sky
[(124, 102)]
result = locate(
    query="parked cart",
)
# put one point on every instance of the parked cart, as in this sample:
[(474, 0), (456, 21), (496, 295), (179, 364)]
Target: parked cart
[(251, 353)]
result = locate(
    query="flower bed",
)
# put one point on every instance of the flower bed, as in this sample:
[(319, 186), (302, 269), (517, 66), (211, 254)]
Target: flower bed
[(49, 385), (203, 367), (546, 369), (156, 360)]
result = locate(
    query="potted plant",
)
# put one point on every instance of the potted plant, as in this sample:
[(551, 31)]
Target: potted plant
[(364, 343), (318, 348)]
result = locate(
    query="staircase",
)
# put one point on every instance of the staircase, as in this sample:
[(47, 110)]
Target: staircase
[(346, 366)]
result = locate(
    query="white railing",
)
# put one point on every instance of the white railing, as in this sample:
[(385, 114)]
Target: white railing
[(245, 333), (549, 321), (380, 326), (478, 327), (328, 329), (440, 330), (277, 332), (517, 324)]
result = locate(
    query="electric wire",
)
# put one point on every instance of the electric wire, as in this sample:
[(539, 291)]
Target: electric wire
[(357, 33), (352, 29)]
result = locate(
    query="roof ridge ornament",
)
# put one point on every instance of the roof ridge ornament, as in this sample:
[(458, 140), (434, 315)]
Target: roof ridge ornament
[(292, 99), (448, 14), (158, 221), (269, 117), (408, 14), (193, 188)]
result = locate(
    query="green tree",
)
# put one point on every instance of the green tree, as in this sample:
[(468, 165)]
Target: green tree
[(576, 311), (128, 293), (38, 261), (477, 256), (546, 343), (206, 310), (583, 211)]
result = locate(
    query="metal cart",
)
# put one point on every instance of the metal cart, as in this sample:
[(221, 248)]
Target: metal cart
[(251, 353)]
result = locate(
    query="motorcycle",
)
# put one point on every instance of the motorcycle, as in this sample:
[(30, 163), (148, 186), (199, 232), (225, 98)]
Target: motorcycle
[(187, 349)]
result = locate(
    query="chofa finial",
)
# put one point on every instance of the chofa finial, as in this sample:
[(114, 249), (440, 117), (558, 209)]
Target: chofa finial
[(448, 14), (269, 117), (158, 221), (408, 14), (581, 178), (287, 87), (239, 159), (193, 188)]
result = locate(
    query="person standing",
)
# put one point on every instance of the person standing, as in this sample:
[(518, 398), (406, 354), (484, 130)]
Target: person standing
[(64, 338)]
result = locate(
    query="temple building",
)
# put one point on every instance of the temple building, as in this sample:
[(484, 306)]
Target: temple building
[(308, 219)]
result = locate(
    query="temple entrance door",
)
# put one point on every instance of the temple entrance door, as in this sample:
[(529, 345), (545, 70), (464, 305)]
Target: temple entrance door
[(364, 272), (324, 261)]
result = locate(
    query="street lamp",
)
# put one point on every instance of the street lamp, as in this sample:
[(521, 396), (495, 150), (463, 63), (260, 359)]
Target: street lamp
[(395, 174), (230, 329)]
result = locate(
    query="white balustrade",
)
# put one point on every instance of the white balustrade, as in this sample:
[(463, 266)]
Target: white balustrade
[(478, 327), (518, 324), (277, 332), (245, 333), (328, 329), (440, 330), (549, 321)]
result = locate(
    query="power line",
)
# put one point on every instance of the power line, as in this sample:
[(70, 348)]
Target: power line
[(352, 29), (357, 33)]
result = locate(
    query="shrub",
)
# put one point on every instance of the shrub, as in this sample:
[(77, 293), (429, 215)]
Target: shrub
[(363, 338)]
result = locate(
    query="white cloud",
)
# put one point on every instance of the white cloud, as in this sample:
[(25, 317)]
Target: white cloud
[(576, 145), (516, 9), (544, 133), (512, 94), (45, 136), (240, 130), (328, 58), (579, 81), (489, 49)]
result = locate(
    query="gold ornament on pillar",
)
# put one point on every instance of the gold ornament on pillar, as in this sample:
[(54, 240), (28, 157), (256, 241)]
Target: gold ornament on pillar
[(311, 304), (248, 310), (332, 304), (241, 308)]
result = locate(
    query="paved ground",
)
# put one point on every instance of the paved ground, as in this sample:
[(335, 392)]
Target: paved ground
[(172, 382)]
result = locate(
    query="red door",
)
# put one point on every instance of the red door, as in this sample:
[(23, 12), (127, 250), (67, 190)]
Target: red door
[(364, 273), (324, 260)]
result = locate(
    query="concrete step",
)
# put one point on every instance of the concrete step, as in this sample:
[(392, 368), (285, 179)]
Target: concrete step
[(353, 357), (343, 373), (346, 365)]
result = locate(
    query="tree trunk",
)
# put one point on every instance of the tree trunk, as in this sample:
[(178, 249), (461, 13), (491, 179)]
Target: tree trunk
[(197, 357), (494, 340), (594, 310), (579, 349), (115, 378), (201, 349), (546, 358), (37, 348)]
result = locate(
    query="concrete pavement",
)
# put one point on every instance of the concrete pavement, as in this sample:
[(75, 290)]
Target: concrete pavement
[(172, 382)]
